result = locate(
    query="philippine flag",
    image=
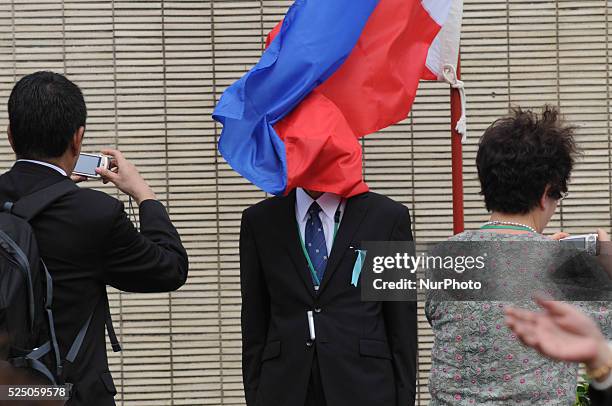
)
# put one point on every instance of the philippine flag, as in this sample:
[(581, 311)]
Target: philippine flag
[(333, 71)]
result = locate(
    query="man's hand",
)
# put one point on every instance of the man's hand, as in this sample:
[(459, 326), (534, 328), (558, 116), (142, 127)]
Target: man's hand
[(78, 178), (561, 332), (126, 177)]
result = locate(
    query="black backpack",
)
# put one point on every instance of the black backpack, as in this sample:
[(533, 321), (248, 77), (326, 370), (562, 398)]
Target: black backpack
[(27, 332)]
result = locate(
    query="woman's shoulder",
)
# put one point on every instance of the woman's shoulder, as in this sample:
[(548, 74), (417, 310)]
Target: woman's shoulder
[(482, 235)]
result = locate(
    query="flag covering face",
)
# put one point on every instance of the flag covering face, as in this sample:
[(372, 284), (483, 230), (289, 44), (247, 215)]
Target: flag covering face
[(333, 72)]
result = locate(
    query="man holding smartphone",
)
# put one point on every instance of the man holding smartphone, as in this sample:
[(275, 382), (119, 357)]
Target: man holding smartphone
[(85, 238)]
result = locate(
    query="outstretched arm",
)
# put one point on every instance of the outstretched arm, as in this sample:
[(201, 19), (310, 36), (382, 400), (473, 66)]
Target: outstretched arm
[(561, 332)]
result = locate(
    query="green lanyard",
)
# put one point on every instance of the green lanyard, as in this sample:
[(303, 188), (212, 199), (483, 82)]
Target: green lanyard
[(509, 227), (313, 273)]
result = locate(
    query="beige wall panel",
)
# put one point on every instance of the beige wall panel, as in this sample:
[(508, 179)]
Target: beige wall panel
[(152, 72)]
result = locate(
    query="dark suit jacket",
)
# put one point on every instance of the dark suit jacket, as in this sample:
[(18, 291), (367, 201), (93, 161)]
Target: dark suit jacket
[(366, 350), (88, 242), (600, 398)]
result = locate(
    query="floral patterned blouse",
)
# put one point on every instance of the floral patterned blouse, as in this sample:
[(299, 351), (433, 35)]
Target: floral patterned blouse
[(477, 360)]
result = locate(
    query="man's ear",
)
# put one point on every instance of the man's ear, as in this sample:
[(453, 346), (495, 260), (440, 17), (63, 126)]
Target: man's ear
[(77, 141), (10, 137)]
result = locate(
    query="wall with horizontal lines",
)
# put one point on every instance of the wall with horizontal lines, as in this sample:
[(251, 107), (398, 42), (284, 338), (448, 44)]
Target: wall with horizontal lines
[(152, 72)]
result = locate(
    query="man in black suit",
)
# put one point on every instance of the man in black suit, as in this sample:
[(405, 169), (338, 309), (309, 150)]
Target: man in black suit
[(600, 397), (85, 238), (308, 339)]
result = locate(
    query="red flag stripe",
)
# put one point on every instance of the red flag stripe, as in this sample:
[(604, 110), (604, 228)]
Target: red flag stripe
[(373, 89)]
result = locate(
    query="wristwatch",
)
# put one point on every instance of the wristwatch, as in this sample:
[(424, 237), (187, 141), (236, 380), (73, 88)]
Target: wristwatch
[(601, 378)]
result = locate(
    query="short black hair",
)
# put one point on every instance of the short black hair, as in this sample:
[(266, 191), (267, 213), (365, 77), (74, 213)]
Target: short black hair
[(520, 155), (45, 110)]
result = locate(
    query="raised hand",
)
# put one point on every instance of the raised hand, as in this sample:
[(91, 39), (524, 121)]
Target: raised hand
[(126, 177), (561, 332)]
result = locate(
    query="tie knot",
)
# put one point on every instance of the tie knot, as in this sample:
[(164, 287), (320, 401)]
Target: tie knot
[(314, 209)]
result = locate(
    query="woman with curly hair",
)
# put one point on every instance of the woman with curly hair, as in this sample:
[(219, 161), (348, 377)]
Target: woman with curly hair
[(524, 164)]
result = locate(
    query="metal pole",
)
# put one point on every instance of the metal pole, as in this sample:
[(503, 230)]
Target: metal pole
[(457, 158)]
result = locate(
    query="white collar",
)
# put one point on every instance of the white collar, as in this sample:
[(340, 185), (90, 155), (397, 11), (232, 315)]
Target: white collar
[(47, 164), (328, 201)]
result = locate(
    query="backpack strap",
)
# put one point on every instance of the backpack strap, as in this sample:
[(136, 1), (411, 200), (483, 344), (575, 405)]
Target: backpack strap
[(32, 361), (78, 341), (50, 320), (75, 348), (109, 327), (33, 204)]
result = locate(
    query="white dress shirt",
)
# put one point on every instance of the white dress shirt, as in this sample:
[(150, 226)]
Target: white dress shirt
[(47, 164), (329, 204)]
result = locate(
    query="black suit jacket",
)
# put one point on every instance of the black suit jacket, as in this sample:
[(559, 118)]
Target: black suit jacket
[(600, 398), (366, 350), (88, 242)]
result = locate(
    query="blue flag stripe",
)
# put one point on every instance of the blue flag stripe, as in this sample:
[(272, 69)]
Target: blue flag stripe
[(316, 38)]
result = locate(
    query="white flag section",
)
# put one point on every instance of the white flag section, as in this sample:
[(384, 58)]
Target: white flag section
[(445, 48), (443, 54)]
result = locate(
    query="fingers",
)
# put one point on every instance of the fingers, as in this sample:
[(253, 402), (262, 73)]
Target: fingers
[(116, 158), (78, 178), (528, 335), (107, 175), (111, 152), (124, 175), (602, 235), (559, 235), (555, 308), (115, 154), (521, 315), (524, 328)]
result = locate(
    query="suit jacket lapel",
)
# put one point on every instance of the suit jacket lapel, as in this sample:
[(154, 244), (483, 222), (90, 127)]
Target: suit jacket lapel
[(356, 208), (289, 233)]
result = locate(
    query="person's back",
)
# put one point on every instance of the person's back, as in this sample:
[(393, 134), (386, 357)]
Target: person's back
[(476, 359), (85, 238), (524, 164)]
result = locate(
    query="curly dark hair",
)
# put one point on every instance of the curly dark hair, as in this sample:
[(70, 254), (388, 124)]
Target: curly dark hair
[(520, 155)]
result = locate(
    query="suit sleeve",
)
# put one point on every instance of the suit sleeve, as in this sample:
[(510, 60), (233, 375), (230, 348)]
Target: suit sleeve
[(152, 260), (401, 324), (600, 398), (255, 314)]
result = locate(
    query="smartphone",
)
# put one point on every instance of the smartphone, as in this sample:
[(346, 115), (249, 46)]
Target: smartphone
[(87, 164)]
